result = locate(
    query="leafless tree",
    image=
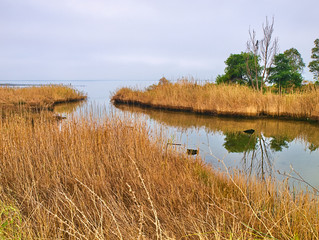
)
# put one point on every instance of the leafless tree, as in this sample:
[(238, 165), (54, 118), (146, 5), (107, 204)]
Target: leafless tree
[(264, 51), (252, 47)]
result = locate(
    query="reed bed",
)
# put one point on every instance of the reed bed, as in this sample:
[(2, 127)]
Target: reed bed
[(228, 100), (43, 97), (114, 179)]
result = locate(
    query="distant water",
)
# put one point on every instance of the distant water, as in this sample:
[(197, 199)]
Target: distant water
[(276, 145)]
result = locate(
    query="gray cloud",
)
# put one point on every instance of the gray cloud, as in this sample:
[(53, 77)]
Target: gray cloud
[(136, 39)]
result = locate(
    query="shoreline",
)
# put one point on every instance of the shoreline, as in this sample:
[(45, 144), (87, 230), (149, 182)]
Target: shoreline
[(22, 85), (210, 112), (41, 107), (37, 108), (38, 97), (224, 100)]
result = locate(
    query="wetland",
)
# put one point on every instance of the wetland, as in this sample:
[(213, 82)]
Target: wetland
[(119, 171)]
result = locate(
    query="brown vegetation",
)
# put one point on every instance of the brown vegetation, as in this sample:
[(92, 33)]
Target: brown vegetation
[(228, 100), (43, 97), (109, 179)]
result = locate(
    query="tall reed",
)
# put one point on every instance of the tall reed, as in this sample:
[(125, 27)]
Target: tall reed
[(230, 100), (112, 179)]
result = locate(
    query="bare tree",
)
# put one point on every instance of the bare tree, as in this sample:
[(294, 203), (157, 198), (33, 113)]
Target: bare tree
[(264, 51), (252, 47)]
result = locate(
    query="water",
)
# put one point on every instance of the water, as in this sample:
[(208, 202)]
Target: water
[(276, 145)]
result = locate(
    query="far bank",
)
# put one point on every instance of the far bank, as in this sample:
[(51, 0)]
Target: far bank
[(223, 100)]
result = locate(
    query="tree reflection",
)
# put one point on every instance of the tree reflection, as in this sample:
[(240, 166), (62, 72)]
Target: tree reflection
[(257, 158), (278, 143), (258, 150), (240, 142)]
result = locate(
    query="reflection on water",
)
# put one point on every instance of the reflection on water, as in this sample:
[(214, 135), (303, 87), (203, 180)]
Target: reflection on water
[(281, 132), (257, 150), (240, 142), (257, 158), (268, 149), (63, 108)]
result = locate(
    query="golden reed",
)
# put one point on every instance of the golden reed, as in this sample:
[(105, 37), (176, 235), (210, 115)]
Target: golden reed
[(227, 100), (114, 179)]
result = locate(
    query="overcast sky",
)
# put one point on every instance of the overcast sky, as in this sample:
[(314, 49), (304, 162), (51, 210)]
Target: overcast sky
[(141, 39)]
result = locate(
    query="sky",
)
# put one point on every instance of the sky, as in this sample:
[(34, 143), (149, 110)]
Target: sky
[(142, 39)]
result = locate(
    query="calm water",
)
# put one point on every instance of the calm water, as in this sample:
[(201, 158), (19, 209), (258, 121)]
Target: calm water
[(275, 145)]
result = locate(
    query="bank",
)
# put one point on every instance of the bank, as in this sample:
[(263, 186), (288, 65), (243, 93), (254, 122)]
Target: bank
[(38, 97), (223, 100)]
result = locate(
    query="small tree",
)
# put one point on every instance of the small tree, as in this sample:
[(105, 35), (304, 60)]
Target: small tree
[(295, 59), (314, 64), (283, 73), (263, 50), (236, 69)]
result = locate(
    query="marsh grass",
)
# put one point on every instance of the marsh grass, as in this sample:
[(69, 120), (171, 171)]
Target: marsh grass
[(43, 97), (112, 179), (228, 100)]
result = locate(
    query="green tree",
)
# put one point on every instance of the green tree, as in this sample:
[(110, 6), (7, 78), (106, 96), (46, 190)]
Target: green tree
[(236, 69), (283, 73), (295, 59), (314, 64)]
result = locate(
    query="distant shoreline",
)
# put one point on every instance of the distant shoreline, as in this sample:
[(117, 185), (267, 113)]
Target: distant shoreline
[(22, 84), (37, 84)]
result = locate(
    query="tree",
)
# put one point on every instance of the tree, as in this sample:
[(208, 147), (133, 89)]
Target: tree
[(236, 69), (263, 50), (295, 59), (314, 64), (283, 73)]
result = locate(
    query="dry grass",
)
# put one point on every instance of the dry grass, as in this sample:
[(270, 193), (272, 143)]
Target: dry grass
[(38, 97), (109, 179), (230, 100)]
